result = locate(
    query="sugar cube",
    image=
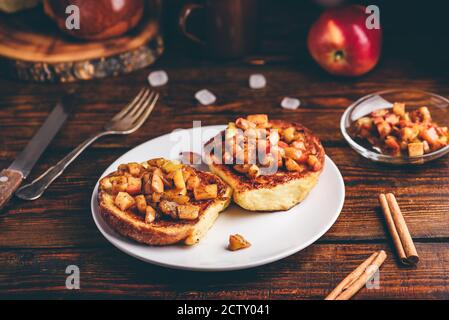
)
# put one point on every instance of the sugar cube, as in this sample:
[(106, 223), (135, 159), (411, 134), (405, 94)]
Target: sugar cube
[(290, 103), (205, 97), (158, 78), (257, 81)]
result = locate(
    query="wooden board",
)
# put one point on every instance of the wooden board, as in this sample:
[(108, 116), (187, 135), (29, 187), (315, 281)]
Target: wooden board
[(32, 48), (38, 240)]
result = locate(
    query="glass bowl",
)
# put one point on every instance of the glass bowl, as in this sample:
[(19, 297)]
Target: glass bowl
[(413, 99)]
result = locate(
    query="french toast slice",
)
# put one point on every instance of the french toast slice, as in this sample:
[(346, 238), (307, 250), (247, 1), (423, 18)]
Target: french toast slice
[(299, 156), (162, 202)]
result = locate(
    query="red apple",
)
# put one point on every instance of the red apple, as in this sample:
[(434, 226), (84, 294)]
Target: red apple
[(99, 19), (340, 42)]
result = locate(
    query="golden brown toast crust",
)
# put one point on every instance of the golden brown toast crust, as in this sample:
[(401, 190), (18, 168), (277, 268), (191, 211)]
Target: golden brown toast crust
[(162, 231), (267, 182)]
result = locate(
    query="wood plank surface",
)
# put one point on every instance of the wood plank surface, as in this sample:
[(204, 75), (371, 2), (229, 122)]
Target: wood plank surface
[(62, 218), (310, 274)]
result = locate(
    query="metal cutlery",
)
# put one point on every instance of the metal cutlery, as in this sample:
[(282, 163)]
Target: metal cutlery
[(12, 177), (127, 121)]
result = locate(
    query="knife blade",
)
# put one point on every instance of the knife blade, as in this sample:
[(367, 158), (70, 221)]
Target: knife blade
[(11, 178)]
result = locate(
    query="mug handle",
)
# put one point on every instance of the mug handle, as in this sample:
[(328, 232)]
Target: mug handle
[(184, 17)]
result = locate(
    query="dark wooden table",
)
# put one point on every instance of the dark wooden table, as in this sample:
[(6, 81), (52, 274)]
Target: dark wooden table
[(38, 240)]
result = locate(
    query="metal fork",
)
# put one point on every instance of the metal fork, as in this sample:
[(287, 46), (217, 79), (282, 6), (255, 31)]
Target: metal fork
[(127, 121)]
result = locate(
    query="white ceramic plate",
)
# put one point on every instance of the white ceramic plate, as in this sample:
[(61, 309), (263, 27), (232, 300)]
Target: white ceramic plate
[(273, 235)]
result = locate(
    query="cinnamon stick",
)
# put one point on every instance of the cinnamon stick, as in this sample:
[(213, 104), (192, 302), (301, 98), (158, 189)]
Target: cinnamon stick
[(358, 278), (391, 227), (397, 227), (351, 277)]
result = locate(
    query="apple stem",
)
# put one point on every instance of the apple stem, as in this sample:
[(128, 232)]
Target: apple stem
[(339, 55)]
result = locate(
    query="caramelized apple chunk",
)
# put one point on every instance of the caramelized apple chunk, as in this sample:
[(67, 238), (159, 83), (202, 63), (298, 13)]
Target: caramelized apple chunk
[(313, 162), (415, 149), (157, 185), (134, 185), (237, 242), (206, 192), (193, 182), (392, 144), (258, 119), (106, 184), (399, 109), (253, 171), (124, 201), (384, 128), (430, 135), (150, 215), (244, 124), (171, 166), (292, 165), (289, 134), (160, 189), (398, 131), (242, 168), (141, 203), (178, 180), (156, 197), (264, 143), (188, 212), (169, 208), (295, 154), (134, 169), (119, 184)]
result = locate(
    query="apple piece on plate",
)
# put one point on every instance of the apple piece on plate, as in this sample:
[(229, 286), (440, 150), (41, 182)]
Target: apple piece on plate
[(237, 242), (134, 185), (205, 192), (99, 19), (188, 212), (340, 42)]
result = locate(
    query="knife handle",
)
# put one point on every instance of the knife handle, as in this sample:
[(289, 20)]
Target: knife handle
[(10, 180)]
